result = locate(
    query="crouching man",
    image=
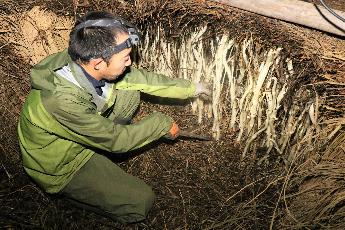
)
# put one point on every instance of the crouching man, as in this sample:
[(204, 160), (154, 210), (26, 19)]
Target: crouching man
[(82, 100)]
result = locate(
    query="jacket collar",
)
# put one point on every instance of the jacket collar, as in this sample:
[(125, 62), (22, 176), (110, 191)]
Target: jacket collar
[(88, 86)]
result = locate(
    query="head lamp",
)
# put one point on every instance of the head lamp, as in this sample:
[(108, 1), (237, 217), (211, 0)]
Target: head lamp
[(134, 35)]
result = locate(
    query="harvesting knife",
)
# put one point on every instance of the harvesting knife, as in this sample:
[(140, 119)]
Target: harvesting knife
[(190, 135)]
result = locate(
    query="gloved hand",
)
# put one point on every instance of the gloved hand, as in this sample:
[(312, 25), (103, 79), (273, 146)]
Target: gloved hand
[(204, 91), (173, 132)]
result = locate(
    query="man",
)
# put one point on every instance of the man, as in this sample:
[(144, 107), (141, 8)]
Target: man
[(81, 103)]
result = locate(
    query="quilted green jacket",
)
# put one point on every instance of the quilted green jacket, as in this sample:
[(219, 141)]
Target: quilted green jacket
[(63, 120)]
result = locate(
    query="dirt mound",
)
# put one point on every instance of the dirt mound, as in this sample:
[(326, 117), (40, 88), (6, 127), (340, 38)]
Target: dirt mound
[(38, 33)]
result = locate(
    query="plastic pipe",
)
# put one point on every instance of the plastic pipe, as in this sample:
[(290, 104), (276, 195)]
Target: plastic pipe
[(299, 12)]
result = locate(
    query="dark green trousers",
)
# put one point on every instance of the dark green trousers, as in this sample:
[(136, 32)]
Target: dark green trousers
[(103, 187)]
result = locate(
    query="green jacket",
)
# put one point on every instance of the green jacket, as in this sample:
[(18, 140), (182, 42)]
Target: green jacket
[(63, 121)]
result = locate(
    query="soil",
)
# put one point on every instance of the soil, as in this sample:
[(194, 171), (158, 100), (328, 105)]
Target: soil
[(199, 185)]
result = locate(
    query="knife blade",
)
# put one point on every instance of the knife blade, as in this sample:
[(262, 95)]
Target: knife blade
[(190, 135)]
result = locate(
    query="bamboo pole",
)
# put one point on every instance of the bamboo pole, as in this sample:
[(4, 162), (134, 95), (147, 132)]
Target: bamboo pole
[(299, 12)]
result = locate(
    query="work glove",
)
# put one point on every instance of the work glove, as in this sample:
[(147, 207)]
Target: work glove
[(173, 132), (204, 91)]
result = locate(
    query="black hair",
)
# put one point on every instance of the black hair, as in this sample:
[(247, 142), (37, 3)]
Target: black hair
[(92, 42)]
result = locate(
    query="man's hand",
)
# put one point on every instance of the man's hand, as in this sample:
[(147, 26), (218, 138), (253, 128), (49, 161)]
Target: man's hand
[(204, 91), (173, 132)]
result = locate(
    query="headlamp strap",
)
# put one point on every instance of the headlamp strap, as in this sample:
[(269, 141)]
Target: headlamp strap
[(134, 36), (98, 23), (118, 48)]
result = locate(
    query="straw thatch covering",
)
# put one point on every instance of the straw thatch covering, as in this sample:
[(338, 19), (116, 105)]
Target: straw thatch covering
[(281, 166)]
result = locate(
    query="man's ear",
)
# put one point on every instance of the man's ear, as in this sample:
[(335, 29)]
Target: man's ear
[(97, 63)]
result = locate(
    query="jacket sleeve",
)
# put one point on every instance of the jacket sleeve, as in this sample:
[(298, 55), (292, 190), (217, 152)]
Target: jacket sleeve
[(156, 84), (82, 124)]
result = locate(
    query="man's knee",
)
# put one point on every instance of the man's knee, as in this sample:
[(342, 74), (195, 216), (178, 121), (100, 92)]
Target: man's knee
[(148, 198), (139, 207)]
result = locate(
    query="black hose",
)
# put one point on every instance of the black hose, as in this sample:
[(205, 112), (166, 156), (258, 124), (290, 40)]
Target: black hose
[(332, 11)]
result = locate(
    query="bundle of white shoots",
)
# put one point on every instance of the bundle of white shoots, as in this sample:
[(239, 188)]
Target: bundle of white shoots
[(238, 73)]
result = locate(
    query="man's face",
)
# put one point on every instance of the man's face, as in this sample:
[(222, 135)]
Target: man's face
[(118, 62)]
